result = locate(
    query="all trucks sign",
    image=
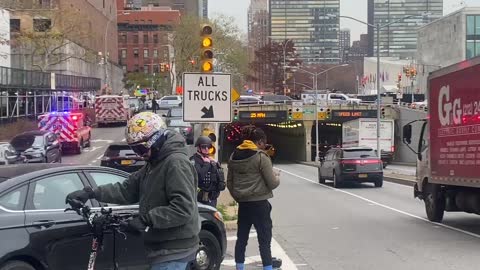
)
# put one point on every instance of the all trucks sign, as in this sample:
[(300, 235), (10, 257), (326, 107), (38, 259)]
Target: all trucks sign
[(454, 104), (207, 97)]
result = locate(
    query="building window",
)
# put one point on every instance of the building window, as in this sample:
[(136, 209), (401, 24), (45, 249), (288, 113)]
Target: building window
[(15, 25), (124, 53), (155, 53), (473, 36), (145, 38), (135, 53), (145, 69), (122, 38), (135, 39), (145, 53), (155, 38), (155, 69), (42, 25), (124, 68), (136, 68)]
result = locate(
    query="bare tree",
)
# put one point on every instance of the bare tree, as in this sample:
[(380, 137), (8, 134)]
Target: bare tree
[(55, 38)]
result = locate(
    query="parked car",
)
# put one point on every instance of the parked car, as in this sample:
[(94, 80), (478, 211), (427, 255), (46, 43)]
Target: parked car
[(38, 146), (169, 101), (174, 113), (354, 164), (184, 128), (122, 157), (251, 100), (277, 99), (41, 235)]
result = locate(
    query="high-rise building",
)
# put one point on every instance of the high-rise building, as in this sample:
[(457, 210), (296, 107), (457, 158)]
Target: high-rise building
[(400, 38), (358, 50), (258, 31), (312, 25), (186, 7), (344, 43)]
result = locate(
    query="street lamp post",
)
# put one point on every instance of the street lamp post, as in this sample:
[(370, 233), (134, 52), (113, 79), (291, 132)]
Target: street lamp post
[(377, 27), (284, 66), (315, 86)]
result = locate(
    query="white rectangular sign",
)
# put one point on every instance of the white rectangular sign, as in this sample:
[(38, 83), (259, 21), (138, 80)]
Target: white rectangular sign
[(207, 97), (297, 106)]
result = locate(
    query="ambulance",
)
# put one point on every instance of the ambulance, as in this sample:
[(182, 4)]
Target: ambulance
[(110, 109), (70, 128)]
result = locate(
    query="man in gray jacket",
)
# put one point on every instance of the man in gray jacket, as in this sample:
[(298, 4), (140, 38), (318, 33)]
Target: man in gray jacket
[(165, 189), (250, 180)]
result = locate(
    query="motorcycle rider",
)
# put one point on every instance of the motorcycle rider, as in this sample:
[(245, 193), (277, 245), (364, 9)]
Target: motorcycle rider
[(211, 178), (165, 189)]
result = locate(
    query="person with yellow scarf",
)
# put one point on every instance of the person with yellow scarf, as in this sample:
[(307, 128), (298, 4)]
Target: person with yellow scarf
[(251, 180)]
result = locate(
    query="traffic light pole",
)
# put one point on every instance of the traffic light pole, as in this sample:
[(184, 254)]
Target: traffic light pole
[(379, 154)]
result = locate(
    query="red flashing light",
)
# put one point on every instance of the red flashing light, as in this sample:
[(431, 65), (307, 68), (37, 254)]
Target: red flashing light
[(74, 117), (393, 149)]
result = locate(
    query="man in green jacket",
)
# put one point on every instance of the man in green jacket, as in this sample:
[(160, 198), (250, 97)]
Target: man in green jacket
[(251, 180), (165, 189)]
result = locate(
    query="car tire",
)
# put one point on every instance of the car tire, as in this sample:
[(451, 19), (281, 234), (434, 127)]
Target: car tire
[(80, 147), (208, 256), (16, 265), (384, 165), (434, 202), (336, 180), (379, 183), (321, 180)]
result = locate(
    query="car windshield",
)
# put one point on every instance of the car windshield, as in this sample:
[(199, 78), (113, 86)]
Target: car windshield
[(176, 112), (24, 142), (178, 123), (119, 151), (359, 153), (170, 98)]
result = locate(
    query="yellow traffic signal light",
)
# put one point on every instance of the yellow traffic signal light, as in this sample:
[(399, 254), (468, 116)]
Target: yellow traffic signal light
[(206, 49)]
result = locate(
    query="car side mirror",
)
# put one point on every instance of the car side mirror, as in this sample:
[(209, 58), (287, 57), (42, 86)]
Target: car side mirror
[(407, 134)]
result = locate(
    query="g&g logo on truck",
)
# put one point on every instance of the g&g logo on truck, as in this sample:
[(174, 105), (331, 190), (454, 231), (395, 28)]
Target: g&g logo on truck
[(449, 111)]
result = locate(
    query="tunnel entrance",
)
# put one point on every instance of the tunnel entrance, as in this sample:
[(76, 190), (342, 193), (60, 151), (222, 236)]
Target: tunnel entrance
[(329, 135), (287, 139)]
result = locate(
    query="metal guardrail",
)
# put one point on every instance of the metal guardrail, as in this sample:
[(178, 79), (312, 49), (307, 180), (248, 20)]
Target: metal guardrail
[(29, 79)]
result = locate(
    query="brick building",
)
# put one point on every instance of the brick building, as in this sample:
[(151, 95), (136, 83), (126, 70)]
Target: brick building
[(144, 38)]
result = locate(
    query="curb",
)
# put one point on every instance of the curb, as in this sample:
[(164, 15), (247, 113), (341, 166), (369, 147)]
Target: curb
[(393, 178)]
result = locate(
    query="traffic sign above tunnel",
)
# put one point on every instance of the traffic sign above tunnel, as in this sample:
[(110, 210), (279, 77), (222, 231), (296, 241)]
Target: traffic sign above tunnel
[(207, 98)]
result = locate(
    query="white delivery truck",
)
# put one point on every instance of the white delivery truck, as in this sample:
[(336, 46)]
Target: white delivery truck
[(363, 132)]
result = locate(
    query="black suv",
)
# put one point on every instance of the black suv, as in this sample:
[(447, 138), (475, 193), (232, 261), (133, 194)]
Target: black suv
[(354, 164), (37, 234)]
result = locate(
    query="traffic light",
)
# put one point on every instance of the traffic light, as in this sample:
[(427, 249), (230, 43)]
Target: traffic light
[(211, 134), (235, 115), (206, 49), (413, 72), (399, 77), (290, 114), (167, 67), (162, 67), (328, 113), (408, 73), (383, 112)]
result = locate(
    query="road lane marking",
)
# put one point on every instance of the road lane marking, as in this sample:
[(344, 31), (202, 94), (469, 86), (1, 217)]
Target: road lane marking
[(100, 140), (385, 206), (248, 260), (99, 157), (124, 140)]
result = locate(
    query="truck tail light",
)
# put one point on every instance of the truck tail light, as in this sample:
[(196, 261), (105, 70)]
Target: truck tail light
[(393, 149)]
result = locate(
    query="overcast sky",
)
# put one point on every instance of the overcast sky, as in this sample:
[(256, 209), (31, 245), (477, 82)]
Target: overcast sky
[(355, 8)]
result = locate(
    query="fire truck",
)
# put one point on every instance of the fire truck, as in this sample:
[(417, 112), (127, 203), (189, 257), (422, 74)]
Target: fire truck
[(111, 109), (70, 127)]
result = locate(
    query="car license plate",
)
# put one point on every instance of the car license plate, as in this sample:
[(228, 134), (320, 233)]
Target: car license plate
[(126, 162), (363, 175)]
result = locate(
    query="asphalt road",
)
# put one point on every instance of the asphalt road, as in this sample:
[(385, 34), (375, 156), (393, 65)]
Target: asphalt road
[(357, 227)]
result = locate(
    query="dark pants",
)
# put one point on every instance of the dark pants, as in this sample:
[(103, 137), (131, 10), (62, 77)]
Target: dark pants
[(258, 215)]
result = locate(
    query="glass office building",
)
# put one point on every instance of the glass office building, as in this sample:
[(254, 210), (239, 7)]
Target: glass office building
[(400, 39), (473, 36), (307, 24)]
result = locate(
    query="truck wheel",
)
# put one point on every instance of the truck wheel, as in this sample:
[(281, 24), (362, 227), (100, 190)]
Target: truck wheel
[(434, 202), (321, 180), (336, 180), (16, 265)]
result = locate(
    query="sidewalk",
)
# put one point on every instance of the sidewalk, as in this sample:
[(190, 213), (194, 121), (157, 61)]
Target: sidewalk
[(400, 174)]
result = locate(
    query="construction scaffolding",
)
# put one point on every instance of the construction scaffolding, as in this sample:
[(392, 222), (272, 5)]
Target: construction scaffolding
[(26, 93)]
